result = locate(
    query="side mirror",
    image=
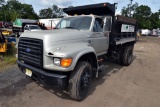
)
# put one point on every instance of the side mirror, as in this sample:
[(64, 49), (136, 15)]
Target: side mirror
[(107, 24)]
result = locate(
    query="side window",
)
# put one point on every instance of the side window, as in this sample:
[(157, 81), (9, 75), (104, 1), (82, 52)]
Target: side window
[(95, 29), (98, 25), (108, 24), (64, 23)]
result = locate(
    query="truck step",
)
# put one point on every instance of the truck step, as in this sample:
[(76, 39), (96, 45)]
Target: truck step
[(102, 68)]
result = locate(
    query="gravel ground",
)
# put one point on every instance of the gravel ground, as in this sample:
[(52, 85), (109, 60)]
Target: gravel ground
[(134, 86)]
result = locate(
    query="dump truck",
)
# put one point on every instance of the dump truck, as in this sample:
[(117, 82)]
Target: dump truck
[(22, 25), (72, 54)]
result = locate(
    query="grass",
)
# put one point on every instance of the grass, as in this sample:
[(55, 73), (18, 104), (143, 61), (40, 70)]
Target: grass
[(8, 58)]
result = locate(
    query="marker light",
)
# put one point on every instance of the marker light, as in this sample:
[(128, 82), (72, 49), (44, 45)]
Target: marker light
[(66, 62), (62, 62)]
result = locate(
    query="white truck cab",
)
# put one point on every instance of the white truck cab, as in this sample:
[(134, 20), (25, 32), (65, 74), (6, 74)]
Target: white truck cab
[(32, 28)]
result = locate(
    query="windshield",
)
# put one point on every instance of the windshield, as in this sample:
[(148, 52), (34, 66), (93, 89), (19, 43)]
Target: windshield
[(34, 27), (79, 22)]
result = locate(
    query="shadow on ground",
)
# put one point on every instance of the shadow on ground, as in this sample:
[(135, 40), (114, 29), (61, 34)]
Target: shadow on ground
[(19, 86), (13, 89), (103, 76)]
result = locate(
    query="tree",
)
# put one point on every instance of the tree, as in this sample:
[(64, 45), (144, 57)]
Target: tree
[(129, 9), (2, 2), (54, 12), (27, 12), (57, 11), (142, 14), (14, 9), (143, 10), (154, 18), (46, 13), (125, 12)]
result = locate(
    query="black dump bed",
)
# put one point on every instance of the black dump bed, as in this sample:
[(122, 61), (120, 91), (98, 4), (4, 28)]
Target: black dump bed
[(123, 28), (96, 9)]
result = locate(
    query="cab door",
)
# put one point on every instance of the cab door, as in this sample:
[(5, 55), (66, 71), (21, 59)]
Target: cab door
[(107, 25), (99, 41)]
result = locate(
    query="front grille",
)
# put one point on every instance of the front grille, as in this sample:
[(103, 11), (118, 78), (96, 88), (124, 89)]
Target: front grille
[(31, 51)]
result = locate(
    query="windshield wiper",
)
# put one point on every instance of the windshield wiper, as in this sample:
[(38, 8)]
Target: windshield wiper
[(70, 28)]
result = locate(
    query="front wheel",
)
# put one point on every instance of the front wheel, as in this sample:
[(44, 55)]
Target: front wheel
[(79, 81)]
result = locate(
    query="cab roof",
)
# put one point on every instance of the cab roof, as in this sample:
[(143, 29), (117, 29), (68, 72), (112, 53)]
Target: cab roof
[(96, 9)]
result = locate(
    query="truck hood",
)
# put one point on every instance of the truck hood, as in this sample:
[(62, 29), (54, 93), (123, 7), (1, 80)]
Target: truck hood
[(32, 30), (56, 35), (35, 29)]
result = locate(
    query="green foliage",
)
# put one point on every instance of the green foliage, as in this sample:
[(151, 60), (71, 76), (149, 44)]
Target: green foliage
[(143, 10), (129, 9), (6, 61), (8, 58), (154, 18), (27, 12), (54, 12), (144, 16), (46, 13), (13, 9)]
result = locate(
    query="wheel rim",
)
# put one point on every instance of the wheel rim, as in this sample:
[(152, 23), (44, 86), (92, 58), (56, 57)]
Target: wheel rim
[(84, 85)]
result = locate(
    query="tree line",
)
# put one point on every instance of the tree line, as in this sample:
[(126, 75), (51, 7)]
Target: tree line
[(13, 9), (145, 17)]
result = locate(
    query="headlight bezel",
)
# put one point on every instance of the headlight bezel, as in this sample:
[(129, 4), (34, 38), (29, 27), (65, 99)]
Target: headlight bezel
[(63, 62)]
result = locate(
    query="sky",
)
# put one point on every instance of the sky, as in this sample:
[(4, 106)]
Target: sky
[(41, 4)]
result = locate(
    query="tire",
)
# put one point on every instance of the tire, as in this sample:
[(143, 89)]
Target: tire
[(79, 81), (127, 56)]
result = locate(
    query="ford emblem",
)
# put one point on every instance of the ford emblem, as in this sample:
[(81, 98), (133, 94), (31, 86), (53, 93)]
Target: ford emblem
[(28, 50)]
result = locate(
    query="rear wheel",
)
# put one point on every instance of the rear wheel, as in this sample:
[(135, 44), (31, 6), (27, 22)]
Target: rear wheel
[(79, 81), (127, 56)]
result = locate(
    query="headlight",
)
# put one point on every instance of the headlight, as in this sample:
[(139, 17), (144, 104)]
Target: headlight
[(57, 61), (65, 62)]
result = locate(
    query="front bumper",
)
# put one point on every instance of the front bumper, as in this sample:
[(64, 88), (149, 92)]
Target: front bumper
[(43, 77)]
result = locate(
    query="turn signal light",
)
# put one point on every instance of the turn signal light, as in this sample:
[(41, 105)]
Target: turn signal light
[(66, 62)]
